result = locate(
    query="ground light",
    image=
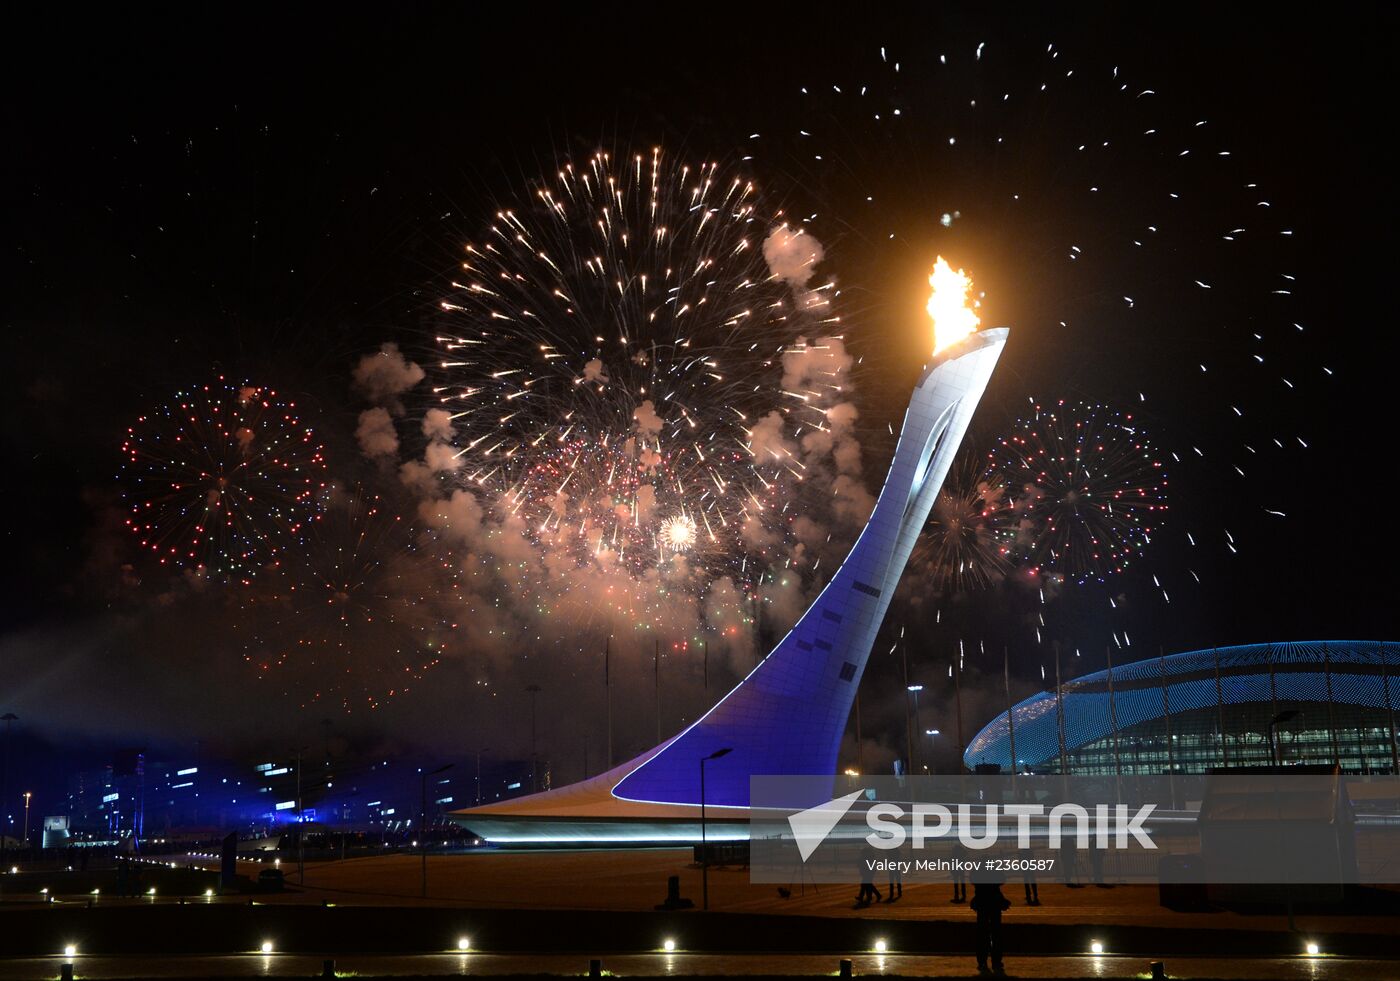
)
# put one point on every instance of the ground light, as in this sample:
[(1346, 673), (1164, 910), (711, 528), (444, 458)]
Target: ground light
[(881, 946), (669, 946), (463, 943), (267, 946), (70, 951), (1096, 947), (1313, 950)]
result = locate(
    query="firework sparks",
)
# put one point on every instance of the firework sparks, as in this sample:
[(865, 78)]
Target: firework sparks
[(222, 480), (1193, 228), (1087, 479), (678, 533), (346, 621), (624, 371), (970, 537)]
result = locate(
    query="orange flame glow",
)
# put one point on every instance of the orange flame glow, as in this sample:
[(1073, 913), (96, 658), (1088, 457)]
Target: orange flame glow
[(950, 306)]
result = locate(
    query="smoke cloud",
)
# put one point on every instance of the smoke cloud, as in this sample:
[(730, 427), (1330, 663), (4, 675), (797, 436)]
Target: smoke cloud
[(594, 371), (647, 420), (792, 255), (376, 434), (437, 424), (386, 375)]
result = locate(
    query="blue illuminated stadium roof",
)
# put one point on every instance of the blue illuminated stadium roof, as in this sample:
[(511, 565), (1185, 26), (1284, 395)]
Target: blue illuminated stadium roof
[(1299, 676)]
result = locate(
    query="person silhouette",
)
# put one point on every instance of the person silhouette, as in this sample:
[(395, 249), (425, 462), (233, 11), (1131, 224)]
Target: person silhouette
[(959, 874), (1069, 857), (989, 903), (896, 876), (868, 893), (1096, 867)]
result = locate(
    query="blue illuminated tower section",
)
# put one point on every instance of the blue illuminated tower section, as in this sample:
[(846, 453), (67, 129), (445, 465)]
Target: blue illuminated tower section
[(788, 715)]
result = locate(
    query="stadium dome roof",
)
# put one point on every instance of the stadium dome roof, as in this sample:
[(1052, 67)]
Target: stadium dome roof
[(1359, 672)]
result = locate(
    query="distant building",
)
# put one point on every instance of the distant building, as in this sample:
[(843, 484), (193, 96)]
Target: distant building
[(132, 795), (1306, 702), (155, 800)]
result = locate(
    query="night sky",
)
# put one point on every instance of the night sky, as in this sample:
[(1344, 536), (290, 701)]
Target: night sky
[(272, 196)]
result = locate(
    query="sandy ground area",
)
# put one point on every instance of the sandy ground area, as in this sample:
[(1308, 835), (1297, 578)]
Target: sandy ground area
[(636, 880)]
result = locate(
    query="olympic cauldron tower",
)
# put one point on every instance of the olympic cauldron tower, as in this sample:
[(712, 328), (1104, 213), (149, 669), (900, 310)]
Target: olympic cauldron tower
[(788, 715)]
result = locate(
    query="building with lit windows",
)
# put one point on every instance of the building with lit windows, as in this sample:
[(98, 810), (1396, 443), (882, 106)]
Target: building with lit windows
[(131, 796), (1305, 702)]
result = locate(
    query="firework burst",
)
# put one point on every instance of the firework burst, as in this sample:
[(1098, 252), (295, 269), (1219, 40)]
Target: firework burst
[(348, 550), (222, 480), (1087, 480), (612, 368), (971, 535), (679, 533)]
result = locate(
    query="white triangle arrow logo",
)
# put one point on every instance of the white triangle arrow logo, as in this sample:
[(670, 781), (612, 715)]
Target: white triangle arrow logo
[(810, 827)]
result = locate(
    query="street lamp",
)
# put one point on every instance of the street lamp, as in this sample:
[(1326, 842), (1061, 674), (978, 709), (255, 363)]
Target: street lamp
[(27, 794), (911, 722), (931, 733), (704, 838), (423, 819), (301, 825), (1287, 715), (9, 718)]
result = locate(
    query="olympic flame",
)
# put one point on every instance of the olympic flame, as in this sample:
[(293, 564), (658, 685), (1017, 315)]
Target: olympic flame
[(950, 305)]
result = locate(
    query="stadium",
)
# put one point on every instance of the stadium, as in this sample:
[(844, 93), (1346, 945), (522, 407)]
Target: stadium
[(1288, 703)]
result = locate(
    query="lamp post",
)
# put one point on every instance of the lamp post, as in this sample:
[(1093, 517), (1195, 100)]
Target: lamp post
[(912, 722), (27, 794), (704, 838), (423, 820), (301, 824), (932, 734), (1287, 715), (9, 718)]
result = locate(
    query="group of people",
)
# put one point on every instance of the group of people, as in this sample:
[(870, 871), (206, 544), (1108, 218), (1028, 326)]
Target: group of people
[(869, 893)]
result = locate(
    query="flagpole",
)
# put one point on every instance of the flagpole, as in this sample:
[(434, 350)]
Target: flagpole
[(1010, 716), (1060, 711), (1167, 718), (1220, 709), (607, 684)]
